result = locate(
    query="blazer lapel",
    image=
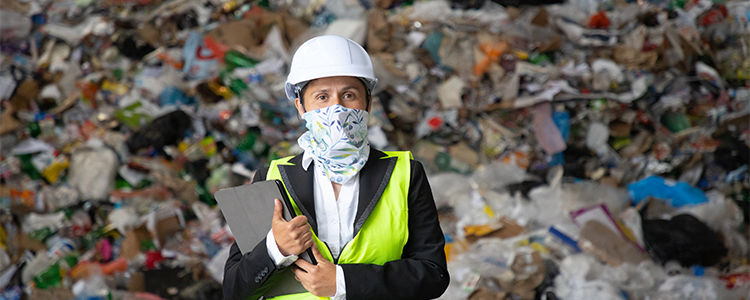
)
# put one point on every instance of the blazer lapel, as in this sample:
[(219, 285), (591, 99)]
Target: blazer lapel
[(299, 183), (373, 179)]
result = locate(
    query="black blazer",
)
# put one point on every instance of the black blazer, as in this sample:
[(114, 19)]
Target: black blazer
[(421, 273)]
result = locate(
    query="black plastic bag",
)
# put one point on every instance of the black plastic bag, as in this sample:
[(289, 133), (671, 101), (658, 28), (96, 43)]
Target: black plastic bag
[(166, 130), (684, 239)]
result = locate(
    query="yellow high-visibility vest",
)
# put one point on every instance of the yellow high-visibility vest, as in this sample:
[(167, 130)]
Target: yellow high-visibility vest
[(386, 230)]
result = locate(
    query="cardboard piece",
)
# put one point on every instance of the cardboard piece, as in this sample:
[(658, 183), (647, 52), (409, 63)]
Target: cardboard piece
[(513, 12), (166, 228), (7, 122), (22, 242), (450, 92), (383, 4), (641, 143), (509, 229), (465, 154), (619, 128), (379, 31), (20, 7), (598, 240), (183, 189), (247, 35), (137, 282), (554, 44), (150, 34), (131, 245), (25, 93), (51, 294), (529, 272), (541, 17), (69, 102), (483, 293), (635, 58), (598, 213), (292, 27)]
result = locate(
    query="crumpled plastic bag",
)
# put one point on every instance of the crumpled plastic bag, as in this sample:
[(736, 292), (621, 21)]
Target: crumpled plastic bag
[(686, 287), (584, 277), (93, 169), (722, 215), (578, 280), (497, 176), (683, 238)]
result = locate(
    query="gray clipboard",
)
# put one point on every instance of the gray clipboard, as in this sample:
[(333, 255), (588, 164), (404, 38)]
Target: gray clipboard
[(248, 210)]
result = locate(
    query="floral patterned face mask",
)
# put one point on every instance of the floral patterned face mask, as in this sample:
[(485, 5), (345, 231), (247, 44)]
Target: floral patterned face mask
[(337, 140)]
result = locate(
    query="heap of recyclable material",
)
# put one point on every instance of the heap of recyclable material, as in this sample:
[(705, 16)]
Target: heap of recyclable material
[(576, 149)]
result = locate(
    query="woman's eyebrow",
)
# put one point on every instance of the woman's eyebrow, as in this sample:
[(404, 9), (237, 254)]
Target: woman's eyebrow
[(351, 87), (321, 90)]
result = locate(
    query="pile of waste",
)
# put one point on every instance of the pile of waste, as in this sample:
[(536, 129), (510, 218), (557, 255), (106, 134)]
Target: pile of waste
[(581, 149)]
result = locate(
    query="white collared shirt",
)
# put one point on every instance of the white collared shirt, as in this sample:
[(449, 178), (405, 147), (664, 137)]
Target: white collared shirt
[(335, 219)]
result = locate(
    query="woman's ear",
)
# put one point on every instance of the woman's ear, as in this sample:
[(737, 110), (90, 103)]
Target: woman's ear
[(300, 107)]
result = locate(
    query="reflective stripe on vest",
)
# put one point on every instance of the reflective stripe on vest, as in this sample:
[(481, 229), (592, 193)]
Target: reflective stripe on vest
[(385, 232)]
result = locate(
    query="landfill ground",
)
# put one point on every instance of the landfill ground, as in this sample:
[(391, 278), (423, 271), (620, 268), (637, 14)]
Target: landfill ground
[(579, 149)]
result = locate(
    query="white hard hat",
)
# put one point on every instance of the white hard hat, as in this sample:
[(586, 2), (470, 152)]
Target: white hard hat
[(328, 56)]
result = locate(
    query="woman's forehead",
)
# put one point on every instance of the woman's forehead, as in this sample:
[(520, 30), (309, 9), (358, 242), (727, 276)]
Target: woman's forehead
[(336, 83)]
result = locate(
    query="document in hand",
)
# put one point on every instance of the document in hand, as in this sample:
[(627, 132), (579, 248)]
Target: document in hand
[(248, 210)]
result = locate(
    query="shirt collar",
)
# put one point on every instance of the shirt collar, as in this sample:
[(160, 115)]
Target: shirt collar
[(307, 159)]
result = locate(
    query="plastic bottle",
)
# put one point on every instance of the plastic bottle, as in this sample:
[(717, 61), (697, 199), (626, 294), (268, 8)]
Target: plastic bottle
[(59, 246)]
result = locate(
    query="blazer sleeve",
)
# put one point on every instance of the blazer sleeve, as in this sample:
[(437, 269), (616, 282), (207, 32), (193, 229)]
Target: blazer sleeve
[(422, 272), (246, 275)]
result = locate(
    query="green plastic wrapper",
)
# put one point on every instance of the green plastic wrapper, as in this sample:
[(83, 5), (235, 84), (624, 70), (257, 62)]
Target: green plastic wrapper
[(28, 167), (235, 59), (675, 122), (49, 278)]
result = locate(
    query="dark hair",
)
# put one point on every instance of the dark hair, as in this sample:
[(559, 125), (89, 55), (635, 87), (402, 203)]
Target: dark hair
[(301, 94)]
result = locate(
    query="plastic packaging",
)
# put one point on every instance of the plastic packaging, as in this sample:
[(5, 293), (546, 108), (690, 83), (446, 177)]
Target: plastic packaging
[(200, 61), (497, 176), (674, 193), (14, 25), (49, 278), (547, 132)]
